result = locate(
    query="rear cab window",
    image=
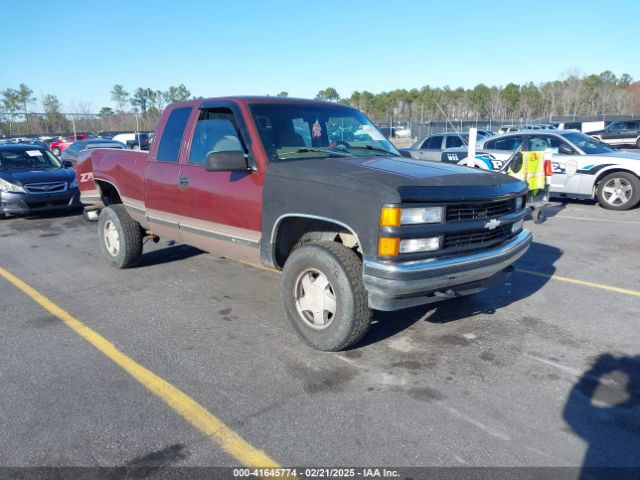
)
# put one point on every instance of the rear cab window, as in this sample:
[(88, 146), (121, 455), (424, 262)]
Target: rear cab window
[(172, 135)]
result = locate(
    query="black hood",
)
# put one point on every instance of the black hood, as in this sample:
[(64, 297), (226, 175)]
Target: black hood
[(399, 178), (23, 176)]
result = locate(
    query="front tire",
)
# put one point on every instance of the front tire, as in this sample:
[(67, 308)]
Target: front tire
[(619, 191), (324, 297), (120, 237)]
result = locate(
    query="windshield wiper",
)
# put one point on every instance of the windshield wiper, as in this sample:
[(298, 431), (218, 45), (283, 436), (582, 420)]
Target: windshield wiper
[(375, 149), (314, 149)]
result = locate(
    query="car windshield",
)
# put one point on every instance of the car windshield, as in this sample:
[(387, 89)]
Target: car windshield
[(304, 131), (27, 159), (587, 144)]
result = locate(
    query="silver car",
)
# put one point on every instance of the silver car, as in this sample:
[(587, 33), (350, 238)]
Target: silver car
[(431, 146), (582, 167)]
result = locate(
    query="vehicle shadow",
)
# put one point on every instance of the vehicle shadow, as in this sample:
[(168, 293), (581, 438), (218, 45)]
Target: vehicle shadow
[(51, 214), (540, 259), (603, 409), (172, 253)]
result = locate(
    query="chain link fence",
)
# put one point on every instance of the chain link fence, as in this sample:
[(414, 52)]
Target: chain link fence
[(51, 124)]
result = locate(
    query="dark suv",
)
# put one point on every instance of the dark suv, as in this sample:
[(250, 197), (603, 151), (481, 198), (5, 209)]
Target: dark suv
[(620, 133)]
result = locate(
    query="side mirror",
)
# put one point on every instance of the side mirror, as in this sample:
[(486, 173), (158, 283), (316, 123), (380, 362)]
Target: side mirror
[(405, 153), (226, 161), (67, 164), (566, 150)]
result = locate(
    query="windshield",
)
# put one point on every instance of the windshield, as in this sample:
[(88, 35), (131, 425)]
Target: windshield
[(27, 159), (587, 144), (302, 131)]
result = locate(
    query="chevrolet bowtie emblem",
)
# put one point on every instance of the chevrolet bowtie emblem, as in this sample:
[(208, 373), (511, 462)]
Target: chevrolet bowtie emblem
[(492, 224)]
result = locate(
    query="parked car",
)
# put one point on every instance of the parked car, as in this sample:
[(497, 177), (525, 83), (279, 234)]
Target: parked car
[(59, 145), (134, 141), (583, 167), (431, 146), (487, 133), (25, 141), (508, 128), (32, 180), (70, 154), (352, 224), (619, 133)]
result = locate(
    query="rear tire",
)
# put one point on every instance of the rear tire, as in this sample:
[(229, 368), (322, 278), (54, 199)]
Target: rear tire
[(619, 191), (120, 237), (324, 297)]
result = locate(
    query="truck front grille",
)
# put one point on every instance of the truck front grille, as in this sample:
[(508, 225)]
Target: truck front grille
[(476, 239), (473, 211)]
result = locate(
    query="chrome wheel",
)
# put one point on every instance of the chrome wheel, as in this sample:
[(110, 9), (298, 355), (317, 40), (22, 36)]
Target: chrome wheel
[(111, 238), (315, 299), (617, 191)]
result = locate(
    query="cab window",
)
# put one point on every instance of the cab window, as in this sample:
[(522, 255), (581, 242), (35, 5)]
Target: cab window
[(172, 135), (539, 143), (507, 143), (215, 131), (433, 143), (454, 141)]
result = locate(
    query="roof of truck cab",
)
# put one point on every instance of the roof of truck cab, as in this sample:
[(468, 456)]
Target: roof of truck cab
[(248, 99)]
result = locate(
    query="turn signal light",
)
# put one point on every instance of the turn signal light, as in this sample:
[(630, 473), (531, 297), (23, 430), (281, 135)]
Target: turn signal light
[(390, 217), (388, 247)]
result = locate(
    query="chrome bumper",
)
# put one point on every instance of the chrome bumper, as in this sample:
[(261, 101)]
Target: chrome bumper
[(392, 286)]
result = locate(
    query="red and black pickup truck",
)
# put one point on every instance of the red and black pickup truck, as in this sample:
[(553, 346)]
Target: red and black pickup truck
[(314, 189)]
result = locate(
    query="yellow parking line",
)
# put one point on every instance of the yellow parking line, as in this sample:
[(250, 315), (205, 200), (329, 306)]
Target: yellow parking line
[(584, 283), (630, 222), (180, 402)]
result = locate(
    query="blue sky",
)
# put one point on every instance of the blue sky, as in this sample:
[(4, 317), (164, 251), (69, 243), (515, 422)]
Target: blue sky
[(79, 50)]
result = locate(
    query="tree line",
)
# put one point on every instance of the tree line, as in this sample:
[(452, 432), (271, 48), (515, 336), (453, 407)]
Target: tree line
[(139, 109), (574, 95)]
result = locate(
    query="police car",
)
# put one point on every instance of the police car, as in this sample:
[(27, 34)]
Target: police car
[(582, 166)]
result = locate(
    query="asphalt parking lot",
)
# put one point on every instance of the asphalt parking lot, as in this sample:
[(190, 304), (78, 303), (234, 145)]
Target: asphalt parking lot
[(543, 370)]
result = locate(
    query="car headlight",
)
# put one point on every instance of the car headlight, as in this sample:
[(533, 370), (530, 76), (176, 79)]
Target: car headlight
[(394, 216), (516, 227), (392, 247), (519, 202), (10, 187), (416, 245)]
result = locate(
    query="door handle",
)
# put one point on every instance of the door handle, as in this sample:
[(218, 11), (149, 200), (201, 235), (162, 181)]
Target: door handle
[(184, 181)]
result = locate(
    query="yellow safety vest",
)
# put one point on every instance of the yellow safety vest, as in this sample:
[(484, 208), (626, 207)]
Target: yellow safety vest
[(530, 170)]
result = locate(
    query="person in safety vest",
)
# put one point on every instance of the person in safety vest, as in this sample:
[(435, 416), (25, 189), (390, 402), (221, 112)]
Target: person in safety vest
[(530, 168)]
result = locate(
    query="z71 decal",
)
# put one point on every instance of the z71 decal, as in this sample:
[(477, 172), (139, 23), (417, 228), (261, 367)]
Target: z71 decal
[(86, 177)]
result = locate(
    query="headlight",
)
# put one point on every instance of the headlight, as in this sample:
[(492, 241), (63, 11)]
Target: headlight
[(10, 187), (516, 227), (394, 216), (519, 202), (415, 245)]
